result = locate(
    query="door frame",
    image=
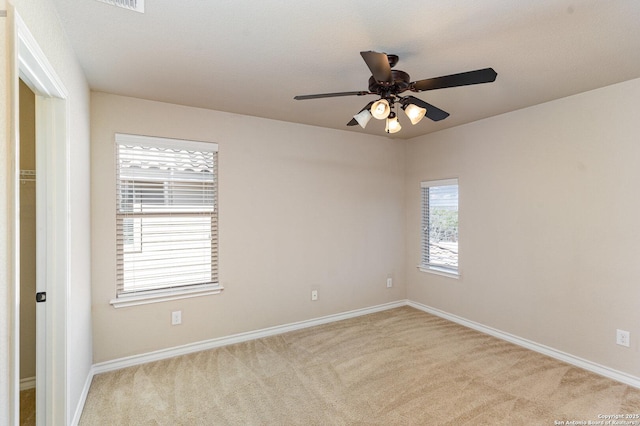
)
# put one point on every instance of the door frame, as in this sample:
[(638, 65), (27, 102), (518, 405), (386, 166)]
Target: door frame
[(52, 224)]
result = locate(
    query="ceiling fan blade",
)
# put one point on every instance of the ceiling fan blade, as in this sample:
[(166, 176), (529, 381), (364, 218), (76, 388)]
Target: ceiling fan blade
[(434, 113), (353, 121), (378, 63), (485, 75), (330, 95)]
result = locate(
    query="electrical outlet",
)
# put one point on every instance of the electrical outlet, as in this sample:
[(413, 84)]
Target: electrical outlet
[(314, 294), (176, 317), (389, 282), (622, 337)]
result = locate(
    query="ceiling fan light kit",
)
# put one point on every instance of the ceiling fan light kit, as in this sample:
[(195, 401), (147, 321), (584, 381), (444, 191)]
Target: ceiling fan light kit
[(388, 84)]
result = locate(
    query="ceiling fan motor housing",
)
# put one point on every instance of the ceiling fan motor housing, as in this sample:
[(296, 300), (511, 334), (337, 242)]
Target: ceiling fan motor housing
[(400, 82)]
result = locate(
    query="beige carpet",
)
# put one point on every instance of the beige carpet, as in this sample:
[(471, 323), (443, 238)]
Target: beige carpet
[(28, 407), (398, 367)]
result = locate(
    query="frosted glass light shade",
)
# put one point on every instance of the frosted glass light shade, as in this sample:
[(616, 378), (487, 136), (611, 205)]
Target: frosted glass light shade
[(415, 113), (363, 118), (393, 125), (380, 109)]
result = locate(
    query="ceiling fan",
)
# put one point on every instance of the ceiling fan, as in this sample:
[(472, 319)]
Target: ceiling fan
[(388, 84)]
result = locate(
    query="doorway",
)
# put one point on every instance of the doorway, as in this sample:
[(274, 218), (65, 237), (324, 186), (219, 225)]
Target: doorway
[(51, 209), (27, 188)]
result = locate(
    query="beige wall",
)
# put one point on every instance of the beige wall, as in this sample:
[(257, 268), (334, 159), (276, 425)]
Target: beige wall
[(301, 207), (549, 233), (27, 235)]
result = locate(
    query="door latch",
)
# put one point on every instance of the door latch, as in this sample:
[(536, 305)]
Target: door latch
[(41, 297)]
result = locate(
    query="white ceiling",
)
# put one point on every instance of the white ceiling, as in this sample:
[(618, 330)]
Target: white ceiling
[(253, 57)]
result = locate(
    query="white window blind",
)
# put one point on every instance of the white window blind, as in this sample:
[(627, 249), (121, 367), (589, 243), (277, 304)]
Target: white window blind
[(166, 214), (440, 225)]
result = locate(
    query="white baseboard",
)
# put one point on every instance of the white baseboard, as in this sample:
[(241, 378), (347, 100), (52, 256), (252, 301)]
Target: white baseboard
[(27, 383), (120, 363), (545, 350), (83, 398)]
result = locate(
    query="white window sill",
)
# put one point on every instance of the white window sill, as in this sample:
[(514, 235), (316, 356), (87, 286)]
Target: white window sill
[(166, 295), (439, 271)]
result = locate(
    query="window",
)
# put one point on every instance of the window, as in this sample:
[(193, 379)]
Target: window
[(440, 226), (166, 219)]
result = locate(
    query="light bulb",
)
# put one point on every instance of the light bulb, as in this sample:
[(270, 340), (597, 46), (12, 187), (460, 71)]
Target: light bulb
[(380, 109)]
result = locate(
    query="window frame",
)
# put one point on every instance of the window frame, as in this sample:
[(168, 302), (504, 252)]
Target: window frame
[(431, 268), (169, 292)]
